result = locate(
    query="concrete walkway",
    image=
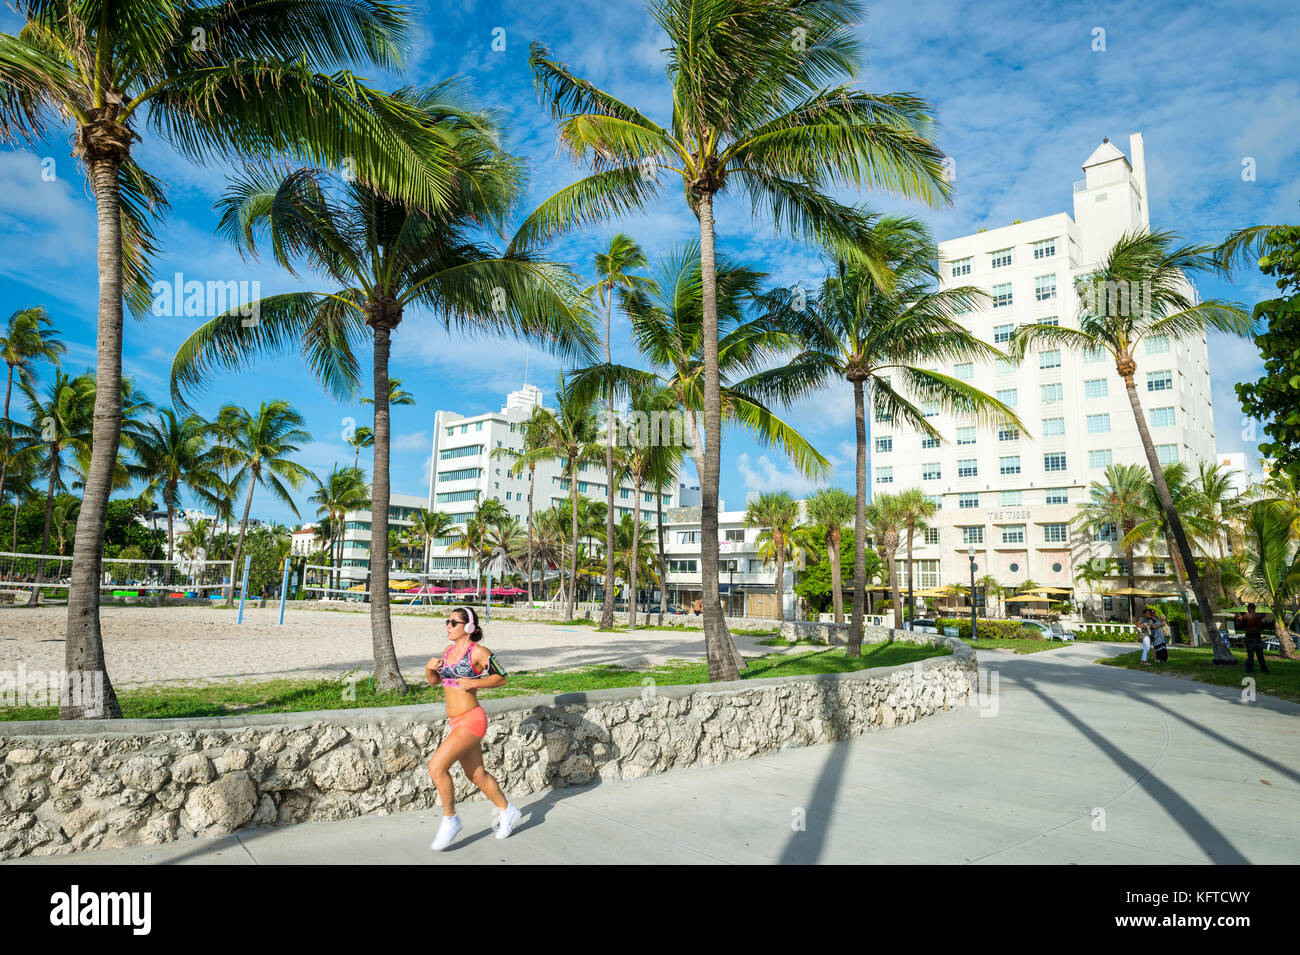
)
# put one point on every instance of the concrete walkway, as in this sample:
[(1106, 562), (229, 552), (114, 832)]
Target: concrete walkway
[(1081, 764)]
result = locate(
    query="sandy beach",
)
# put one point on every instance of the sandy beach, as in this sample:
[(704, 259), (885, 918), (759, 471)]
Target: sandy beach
[(144, 645)]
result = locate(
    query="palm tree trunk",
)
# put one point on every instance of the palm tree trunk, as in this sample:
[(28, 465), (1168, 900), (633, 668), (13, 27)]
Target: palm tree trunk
[(663, 561), (891, 559), (911, 572), (35, 596), (9, 433), (859, 523), (720, 649), (607, 605), (532, 477), (1286, 643), (84, 646), (573, 557), (239, 543), (779, 543), (837, 598), (636, 555), (171, 531), (1221, 653), (388, 676)]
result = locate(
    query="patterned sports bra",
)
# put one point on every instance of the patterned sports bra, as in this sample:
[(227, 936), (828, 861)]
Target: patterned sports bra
[(463, 669)]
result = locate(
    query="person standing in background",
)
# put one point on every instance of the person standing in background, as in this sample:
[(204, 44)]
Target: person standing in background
[(1252, 624)]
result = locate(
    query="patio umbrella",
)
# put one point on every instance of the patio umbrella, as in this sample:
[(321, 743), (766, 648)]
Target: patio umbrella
[(1028, 598), (1049, 590), (1131, 592)]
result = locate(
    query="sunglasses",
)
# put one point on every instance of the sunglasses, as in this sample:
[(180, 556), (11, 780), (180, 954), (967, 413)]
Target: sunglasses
[(452, 622)]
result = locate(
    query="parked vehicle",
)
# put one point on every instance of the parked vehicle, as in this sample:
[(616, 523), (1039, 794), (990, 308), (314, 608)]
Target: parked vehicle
[(921, 626), (1048, 631)]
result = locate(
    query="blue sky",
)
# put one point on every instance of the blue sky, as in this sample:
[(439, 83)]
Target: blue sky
[(1022, 97)]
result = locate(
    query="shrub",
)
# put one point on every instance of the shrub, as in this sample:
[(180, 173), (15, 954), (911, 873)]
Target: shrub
[(989, 629)]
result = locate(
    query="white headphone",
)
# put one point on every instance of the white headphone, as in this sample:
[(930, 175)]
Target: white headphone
[(472, 623)]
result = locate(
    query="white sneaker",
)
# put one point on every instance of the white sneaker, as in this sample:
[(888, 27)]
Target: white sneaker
[(448, 830), (506, 820)]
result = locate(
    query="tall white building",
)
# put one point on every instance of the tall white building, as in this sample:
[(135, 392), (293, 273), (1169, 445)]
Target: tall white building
[(1010, 494)]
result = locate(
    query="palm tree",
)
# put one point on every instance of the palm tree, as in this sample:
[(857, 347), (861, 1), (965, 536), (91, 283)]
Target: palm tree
[(388, 257), (568, 434), (833, 509), (262, 455), (429, 526), (885, 516), (532, 434), (1221, 510), (25, 339), (778, 513), (646, 459), (989, 584), (64, 416), (396, 395), (614, 273), (1118, 505), (363, 437), (228, 423), (917, 510), (477, 538), (872, 332), (1271, 573), (343, 490), (65, 520), (235, 78), (1159, 301), (173, 452), (752, 110), (632, 559)]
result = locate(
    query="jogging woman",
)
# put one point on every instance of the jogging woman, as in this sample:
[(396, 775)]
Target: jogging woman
[(463, 669)]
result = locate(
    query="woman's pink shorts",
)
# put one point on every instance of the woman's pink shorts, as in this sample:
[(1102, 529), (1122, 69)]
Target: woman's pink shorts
[(475, 721)]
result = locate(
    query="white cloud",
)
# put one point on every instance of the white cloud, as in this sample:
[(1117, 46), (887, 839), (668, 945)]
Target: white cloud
[(419, 441)]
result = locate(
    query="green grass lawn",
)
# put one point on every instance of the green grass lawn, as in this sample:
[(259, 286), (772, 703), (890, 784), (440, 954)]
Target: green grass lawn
[(1019, 646), (289, 696), (1282, 680)]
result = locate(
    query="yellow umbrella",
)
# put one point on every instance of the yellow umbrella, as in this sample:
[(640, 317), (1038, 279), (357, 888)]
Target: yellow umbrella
[(1131, 592), (1028, 598), (1049, 590)]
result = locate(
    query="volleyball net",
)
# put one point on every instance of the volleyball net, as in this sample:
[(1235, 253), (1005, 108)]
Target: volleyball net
[(119, 576)]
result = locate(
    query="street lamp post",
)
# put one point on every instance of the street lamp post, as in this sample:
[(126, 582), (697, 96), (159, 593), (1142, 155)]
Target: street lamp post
[(731, 589), (970, 552)]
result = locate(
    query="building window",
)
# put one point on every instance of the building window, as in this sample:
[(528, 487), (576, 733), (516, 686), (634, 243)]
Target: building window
[(1158, 567), (1014, 568), (1002, 295), (884, 445), (1013, 534), (1053, 427), (1167, 454), (1055, 534), (1057, 495), (930, 409), (1162, 417), (1091, 355), (1098, 423), (932, 535), (450, 432), (1105, 532), (1158, 345), (1054, 461), (884, 475), (468, 451), (965, 370), (1121, 566), (463, 474), (960, 267), (1009, 464), (1044, 287), (967, 467), (1051, 320), (1050, 358), (1094, 388), (1006, 433), (451, 496), (464, 429), (1010, 498), (736, 534), (1002, 333), (1001, 258), (1002, 366), (930, 472), (680, 566), (1045, 249), (1007, 396), (1099, 460), (1052, 394), (929, 442), (1160, 381), (966, 500), (973, 535), (1056, 568), (478, 425), (882, 415)]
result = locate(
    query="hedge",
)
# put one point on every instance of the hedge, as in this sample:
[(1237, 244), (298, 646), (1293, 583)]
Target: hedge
[(990, 629)]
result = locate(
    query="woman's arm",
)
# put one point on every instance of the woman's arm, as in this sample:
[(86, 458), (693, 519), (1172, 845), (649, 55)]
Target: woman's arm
[(431, 674), (482, 658)]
